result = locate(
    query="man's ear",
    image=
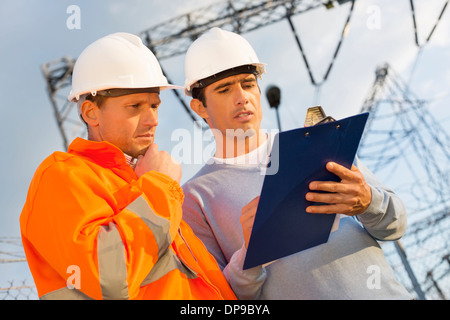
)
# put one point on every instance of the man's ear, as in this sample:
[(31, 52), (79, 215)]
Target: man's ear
[(89, 113), (198, 107)]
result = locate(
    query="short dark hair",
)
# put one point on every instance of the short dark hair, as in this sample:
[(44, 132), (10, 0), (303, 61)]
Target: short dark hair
[(199, 94), (248, 68)]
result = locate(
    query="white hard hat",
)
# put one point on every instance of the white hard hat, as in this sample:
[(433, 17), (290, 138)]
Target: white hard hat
[(117, 61), (214, 52)]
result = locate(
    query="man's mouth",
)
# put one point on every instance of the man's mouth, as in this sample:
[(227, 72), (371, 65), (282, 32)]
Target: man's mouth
[(145, 136), (243, 115)]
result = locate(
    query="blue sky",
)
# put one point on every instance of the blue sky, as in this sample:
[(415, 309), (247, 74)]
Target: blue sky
[(33, 32)]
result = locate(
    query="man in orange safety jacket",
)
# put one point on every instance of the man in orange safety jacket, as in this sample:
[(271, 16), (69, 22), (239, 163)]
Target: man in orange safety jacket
[(104, 220)]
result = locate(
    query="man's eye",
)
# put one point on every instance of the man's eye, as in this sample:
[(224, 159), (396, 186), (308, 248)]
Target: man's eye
[(249, 84), (223, 90)]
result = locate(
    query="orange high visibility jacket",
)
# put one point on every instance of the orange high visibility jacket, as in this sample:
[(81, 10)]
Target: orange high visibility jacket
[(91, 229)]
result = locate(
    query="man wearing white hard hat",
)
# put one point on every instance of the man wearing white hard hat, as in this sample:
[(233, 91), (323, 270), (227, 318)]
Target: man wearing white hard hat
[(221, 71), (97, 224)]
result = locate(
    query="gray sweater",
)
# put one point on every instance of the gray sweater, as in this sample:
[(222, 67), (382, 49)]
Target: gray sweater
[(351, 265)]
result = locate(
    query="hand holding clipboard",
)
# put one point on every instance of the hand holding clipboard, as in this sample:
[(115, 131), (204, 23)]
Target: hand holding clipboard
[(282, 226)]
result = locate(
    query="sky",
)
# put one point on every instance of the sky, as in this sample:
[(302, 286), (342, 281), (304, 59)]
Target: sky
[(33, 32)]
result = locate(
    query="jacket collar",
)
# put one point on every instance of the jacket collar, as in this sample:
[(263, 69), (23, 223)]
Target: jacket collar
[(102, 153)]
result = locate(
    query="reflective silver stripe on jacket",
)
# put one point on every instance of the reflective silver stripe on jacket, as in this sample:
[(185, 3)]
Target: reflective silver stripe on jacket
[(167, 259), (112, 260), (65, 294), (111, 253), (157, 224), (111, 250), (112, 268), (168, 262)]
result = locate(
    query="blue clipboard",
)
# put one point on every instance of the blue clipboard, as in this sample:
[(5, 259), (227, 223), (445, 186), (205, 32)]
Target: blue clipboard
[(282, 226)]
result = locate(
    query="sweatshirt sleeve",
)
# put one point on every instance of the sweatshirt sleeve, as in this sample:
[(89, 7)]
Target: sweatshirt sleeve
[(113, 237), (247, 284), (196, 219), (385, 218)]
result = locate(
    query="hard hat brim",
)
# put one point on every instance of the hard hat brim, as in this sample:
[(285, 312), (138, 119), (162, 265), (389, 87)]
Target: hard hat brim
[(116, 92), (256, 69)]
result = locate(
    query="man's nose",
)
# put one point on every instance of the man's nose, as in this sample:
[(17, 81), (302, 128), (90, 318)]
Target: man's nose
[(241, 96), (149, 117)]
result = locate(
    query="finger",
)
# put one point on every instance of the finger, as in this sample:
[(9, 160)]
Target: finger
[(339, 170), (249, 212), (247, 217), (139, 159), (330, 198), (251, 204), (327, 209), (328, 186)]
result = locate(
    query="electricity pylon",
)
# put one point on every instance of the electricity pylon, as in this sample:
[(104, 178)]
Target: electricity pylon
[(408, 150), (173, 37)]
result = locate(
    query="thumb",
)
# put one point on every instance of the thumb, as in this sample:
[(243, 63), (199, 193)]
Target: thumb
[(139, 160)]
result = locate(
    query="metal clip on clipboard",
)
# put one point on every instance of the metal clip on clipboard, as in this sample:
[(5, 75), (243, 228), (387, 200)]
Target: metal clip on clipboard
[(316, 115)]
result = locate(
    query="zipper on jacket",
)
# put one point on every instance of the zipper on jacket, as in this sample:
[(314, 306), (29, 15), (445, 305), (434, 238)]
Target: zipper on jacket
[(199, 274), (185, 242)]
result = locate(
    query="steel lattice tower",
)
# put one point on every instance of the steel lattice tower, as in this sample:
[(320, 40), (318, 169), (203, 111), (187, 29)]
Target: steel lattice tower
[(403, 142), (408, 150), (173, 38), (403, 137)]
